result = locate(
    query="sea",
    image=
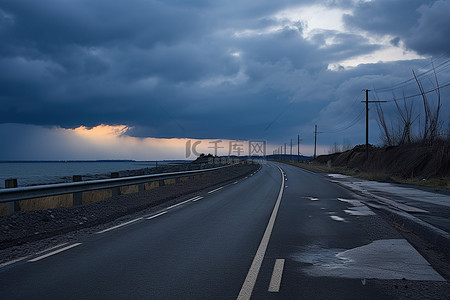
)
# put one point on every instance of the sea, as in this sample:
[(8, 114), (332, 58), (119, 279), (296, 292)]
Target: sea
[(48, 172)]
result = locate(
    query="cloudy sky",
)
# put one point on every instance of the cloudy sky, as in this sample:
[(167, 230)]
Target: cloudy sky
[(137, 79)]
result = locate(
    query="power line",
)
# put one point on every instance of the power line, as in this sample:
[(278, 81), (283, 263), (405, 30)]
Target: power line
[(419, 94), (347, 113), (441, 67), (350, 125)]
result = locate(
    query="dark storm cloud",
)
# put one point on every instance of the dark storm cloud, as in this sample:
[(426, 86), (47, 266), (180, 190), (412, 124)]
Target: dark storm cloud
[(431, 34), (202, 69), (422, 25)]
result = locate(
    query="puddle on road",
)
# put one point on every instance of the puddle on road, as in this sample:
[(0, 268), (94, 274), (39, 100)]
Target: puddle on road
[(338, 176), (337, 218), (381, 259), (357, 209), (311, 198)]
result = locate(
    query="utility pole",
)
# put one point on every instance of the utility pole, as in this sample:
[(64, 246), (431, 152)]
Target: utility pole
[(315, 140), (298, 147), (367, 124), (290, 155), (367, 120)]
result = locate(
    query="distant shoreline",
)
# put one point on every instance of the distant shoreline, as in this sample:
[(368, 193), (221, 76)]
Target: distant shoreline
[(90, 161)]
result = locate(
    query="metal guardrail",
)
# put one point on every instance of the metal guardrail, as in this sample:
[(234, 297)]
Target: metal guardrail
[(24, 193)]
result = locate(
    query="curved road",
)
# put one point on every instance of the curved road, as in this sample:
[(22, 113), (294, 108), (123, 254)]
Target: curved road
[(283, 233)]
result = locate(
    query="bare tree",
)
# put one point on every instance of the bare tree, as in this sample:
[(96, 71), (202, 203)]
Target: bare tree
[(386, 137), (401, 132), (431, 125), (334, 149)]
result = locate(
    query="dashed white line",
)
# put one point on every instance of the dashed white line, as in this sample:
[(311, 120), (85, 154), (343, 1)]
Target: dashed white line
[(51, 248), (198, 198), (235, 182), (120, 225), (157, 215), (275, 281), (26, 257), (252, 275), (54, 252), (215, 190), (13, 261), (181, 203)]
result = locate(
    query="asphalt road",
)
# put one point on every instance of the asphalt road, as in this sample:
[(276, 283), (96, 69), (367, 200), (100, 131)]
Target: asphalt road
[(283, 233)]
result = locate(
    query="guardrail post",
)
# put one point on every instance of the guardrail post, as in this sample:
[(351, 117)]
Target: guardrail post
[(78, 196), (116, 190), (11, 207)]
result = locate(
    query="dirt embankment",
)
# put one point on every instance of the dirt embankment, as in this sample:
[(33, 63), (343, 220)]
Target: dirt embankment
[(405, 162)]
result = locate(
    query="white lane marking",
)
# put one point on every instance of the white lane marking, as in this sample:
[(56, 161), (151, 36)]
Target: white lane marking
[(157, 215), (51, 248), (54, 252), (120, 225), (13, 261), (215, 190), (235, 182), (252, 275), (198, 198), (26, 257), (275, 281), (181, 203)]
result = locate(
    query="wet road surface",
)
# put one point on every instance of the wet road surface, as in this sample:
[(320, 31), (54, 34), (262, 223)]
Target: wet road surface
[(283, 233)]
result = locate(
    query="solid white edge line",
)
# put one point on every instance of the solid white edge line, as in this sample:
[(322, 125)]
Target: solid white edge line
[(198, 198), (215, 190), (157, 215), (277, 273), (120, 225), (54, 252), (252, 275)]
